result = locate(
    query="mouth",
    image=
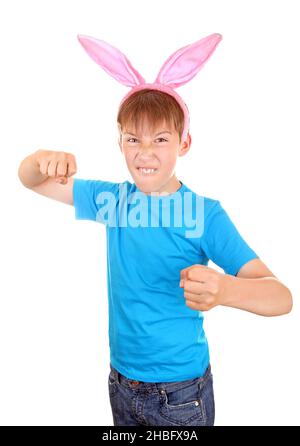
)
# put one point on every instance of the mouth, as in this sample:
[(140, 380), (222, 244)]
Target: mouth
[(147, 171)]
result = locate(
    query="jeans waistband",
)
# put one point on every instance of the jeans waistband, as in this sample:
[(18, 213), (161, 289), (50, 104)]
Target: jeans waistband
[(157, 386)]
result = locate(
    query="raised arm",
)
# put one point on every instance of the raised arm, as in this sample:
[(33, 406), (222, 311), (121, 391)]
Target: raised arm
[(48, 173)]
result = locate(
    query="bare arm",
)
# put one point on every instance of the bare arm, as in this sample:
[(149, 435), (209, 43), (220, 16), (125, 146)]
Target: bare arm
[(257, 289), (254, 289), (48, 173)]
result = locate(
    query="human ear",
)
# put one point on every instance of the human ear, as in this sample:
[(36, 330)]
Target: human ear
[(120, 144), (185, 146)]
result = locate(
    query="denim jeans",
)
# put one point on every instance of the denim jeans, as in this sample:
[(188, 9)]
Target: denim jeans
[(180, 403)]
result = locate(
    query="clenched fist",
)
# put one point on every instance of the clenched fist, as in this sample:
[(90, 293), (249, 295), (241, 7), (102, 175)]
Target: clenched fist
[(59, 165), (204, 287)]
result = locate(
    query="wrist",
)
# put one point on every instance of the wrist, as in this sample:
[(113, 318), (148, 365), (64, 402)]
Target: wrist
[(229, 288)]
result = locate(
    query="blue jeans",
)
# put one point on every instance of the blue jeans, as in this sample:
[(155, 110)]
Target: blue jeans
[(180, 403)]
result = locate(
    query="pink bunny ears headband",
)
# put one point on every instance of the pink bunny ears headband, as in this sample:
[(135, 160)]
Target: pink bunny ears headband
[(177, 70)]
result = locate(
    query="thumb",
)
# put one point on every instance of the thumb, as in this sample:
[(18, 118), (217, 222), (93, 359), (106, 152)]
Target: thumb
[(62, 180)]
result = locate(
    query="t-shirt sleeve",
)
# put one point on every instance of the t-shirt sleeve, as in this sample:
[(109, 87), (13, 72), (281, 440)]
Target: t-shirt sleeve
[(89, 195), (222, 242)]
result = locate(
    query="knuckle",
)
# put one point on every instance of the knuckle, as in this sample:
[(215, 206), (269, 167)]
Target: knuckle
[(213, 289), (49, 154), (62, 156)]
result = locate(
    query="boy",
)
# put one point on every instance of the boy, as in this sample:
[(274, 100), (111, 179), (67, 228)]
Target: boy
[(158, 279)]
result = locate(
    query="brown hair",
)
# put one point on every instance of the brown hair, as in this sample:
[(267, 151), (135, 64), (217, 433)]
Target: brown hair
[(153, 107)]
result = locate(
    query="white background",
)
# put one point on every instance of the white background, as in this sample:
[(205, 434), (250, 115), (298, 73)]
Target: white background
[(244, 108)]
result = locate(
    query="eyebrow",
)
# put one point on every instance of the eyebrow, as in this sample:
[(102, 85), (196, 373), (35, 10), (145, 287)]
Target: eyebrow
[(164, 131)]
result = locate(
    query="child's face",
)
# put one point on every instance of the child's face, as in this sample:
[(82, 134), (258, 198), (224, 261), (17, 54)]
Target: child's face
[(157, 151)]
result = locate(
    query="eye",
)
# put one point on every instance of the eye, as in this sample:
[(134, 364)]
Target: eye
[(134, 140)]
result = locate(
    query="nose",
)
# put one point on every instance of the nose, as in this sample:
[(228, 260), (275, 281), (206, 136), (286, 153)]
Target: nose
[(146, 152), (146, 147)]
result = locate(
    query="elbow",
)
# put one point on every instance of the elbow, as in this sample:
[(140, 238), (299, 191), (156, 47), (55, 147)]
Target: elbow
[(284, 305), (288, 301)]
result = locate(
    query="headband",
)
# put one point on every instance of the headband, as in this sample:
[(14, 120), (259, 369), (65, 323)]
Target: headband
[(177, 70)]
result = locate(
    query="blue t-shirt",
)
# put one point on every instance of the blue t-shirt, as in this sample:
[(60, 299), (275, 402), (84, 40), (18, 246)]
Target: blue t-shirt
[(153, 335)]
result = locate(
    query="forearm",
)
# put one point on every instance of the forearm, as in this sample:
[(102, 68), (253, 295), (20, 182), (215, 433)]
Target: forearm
[(265, 296), (29, 172)]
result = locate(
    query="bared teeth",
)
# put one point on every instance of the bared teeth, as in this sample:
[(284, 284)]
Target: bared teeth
[(146, 171)]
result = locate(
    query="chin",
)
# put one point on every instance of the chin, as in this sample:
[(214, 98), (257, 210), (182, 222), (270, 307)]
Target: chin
[(145, 188), (145, 183)]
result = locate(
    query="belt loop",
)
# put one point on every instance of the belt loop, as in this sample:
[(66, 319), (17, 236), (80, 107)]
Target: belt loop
[(202, 379)]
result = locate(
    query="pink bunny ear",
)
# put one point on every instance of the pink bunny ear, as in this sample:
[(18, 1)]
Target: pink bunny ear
[(185, 63), (111, 60)]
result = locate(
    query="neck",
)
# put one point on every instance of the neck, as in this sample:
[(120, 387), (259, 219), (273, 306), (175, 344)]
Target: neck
[(173, 185)]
